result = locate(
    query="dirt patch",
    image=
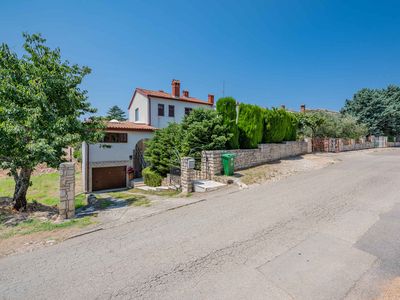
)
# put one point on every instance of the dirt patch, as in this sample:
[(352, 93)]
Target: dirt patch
[(31, 242), (280, 169), (391, 291), (39, 225)]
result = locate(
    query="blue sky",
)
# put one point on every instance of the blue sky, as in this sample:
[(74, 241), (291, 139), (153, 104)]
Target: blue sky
[(267, 52)]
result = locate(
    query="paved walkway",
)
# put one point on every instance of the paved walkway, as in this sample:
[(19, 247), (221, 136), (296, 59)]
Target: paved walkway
[(331, 233)]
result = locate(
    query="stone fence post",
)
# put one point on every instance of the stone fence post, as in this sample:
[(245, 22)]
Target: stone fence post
[(187, 174), (67, 190)]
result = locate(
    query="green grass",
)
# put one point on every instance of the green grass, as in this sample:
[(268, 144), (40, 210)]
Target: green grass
[(33, 225), (104, 203), (44, 189), (166, 193), (131, 199), (80, 200)]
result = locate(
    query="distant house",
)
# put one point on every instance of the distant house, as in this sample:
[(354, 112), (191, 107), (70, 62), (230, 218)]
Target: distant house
[(107, 167)]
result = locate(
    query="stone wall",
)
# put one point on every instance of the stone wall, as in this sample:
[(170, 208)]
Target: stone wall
[(393, 144), (340, 145), (211, 163), (67, 190)]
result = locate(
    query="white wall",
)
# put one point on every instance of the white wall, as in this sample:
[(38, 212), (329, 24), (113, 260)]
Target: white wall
[(141, 102), (161, 122), (118, 151)]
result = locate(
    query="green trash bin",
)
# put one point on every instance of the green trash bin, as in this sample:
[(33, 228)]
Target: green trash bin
[(228, 162)]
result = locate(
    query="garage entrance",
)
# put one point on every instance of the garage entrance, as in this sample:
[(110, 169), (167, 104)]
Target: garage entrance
[(108, 178)]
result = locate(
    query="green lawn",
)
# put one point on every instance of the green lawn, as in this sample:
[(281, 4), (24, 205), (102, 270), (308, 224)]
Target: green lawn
[(44, 189)]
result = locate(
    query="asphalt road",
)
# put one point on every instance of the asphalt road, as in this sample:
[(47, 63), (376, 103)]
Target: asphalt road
[(331, 233)]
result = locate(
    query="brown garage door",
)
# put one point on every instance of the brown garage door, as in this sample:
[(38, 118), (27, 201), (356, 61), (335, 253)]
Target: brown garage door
[(108, 178)]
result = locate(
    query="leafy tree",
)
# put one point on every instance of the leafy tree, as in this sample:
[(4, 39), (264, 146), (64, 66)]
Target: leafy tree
[(204, 129), (379, 109), (164, 150), (251, 125), (332, 125), (226, 107), (309, 123), (41, 106), (116, 113)]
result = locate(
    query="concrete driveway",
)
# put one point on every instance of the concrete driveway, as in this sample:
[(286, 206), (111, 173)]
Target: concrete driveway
[(332, 233)]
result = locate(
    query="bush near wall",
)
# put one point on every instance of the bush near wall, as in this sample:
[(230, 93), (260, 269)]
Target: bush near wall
[(291, 132), (251, 125), (163, 151), (279, 126), (226, 108), (203, 129), (151, 178)]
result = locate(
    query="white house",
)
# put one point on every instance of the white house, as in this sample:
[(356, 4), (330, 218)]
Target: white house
[(109, 167)]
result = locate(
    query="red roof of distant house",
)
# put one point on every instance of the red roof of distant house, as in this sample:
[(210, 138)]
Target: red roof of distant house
[(130, 126), (162, 94)]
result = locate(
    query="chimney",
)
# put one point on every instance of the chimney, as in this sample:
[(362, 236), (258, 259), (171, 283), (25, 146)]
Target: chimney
[(185, 93), (303, 108), (211, 99), (176, 88), (283, 106)]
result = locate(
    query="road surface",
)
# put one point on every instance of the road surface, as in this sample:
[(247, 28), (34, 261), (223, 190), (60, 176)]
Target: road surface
[(331, 233)]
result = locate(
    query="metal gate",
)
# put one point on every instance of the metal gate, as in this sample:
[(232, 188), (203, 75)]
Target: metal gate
[(175, 176)]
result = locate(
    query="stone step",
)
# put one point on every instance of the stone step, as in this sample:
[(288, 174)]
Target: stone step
[(202, 186)]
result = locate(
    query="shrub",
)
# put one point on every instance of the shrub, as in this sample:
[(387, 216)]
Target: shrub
[(151, 178), (226, 108), (291, 132), (250, 124), (203, 129), (280, 125), (163, 151)]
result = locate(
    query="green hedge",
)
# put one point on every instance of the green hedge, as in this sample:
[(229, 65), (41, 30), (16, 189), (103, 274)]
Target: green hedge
[(226, 107), (251, 125), (151, 178), (279, 126)]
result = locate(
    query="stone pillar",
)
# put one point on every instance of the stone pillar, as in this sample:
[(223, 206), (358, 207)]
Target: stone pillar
[(67, 190), (309, 144), (187, 174)]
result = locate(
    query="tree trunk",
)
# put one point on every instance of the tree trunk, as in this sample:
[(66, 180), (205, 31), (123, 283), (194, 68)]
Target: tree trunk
[(22, 182)]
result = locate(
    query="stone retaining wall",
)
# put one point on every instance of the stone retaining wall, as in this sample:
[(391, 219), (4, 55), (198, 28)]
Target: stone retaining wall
[(211, 163), (340, 145), (393, 144)]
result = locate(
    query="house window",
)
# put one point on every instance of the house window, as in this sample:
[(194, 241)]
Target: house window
[(188, 110), (161, 110), (137, 114), (171, 111), (115, 137)]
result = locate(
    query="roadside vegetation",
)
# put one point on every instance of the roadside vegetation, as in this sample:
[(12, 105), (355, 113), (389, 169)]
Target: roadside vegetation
[(34, 225), (379, 109)]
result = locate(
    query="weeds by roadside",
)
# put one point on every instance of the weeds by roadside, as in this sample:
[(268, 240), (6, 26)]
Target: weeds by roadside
[(34, 225)]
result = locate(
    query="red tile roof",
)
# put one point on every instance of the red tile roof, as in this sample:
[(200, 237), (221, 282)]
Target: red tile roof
[(130, 126), (162, 94)]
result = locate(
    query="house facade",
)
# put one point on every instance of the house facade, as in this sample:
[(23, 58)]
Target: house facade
[(112, 163)]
